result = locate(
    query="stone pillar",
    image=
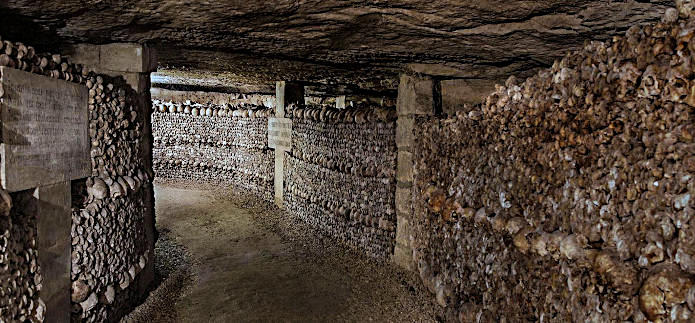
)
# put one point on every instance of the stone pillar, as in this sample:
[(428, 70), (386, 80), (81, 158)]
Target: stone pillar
[(133, 62), (280, 131), (53, 226), (417, 96), (340, 102)]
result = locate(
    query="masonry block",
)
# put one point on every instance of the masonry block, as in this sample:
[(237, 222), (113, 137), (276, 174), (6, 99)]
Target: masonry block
[(404, 132), (54, 220), (279, 182), (404, 172), (404, 201), (127, 57), (140, 82), (403, 257), (415, 96), (115, 58), (403, 232), (85, 54)]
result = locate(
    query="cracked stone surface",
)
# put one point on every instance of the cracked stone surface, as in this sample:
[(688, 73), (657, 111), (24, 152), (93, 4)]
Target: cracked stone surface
[(351, 44)]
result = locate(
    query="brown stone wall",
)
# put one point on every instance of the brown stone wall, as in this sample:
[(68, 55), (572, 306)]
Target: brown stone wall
[(567, 197)]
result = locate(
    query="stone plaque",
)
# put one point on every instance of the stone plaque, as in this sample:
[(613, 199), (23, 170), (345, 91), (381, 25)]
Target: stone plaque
[(45, 124), (280, 133)]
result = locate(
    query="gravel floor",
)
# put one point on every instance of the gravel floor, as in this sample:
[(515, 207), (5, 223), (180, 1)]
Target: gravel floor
[(287, 271), (172, 276)]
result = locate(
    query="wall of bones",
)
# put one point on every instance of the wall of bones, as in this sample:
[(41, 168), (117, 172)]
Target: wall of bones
[(111, 240), (221, 144), (340, 175), (20, 275), (569, 196)]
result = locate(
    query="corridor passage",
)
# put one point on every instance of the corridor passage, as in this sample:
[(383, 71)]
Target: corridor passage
[(243, 270)]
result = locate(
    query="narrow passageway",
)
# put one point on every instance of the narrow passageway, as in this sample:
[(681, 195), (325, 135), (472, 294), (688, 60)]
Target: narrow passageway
[(243, 271)]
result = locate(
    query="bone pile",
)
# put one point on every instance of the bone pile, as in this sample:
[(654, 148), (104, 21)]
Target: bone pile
[(222, 145), (20, 275), (340, 175), (568, 197), (109, 247)]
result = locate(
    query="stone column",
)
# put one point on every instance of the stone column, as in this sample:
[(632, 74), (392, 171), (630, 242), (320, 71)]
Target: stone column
[(133, 62), (417, 96), (340, 102), (280, 131), (53, 226)]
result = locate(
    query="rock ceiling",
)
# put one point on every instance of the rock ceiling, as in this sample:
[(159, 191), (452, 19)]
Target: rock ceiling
[(344, 46)]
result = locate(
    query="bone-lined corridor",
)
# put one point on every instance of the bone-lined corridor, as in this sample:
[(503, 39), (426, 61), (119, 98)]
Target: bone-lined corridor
[(390, 161)]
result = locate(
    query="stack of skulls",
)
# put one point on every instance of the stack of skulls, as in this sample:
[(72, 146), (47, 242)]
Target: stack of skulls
[(115, 128), (568, 197), (225, 148), (361, 149), (110, 211), (234, 109), (20, 275), (340, 176)]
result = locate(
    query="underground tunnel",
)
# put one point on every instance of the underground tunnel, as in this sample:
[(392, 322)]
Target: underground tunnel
[(350, 161)]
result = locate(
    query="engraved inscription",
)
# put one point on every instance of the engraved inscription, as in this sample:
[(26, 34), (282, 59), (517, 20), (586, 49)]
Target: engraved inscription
[(280, 133), (44, 130)]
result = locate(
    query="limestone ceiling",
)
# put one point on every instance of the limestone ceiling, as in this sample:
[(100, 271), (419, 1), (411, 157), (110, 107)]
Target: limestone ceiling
[(334, 44)]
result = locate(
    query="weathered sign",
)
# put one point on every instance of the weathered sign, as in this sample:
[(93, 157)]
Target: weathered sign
[(280, 133), (45, 138)]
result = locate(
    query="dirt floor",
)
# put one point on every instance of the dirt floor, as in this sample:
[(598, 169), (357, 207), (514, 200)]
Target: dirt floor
[(228, 258)]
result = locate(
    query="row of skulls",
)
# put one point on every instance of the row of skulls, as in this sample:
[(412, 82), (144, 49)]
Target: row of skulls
[(340, 177), (225, 151)]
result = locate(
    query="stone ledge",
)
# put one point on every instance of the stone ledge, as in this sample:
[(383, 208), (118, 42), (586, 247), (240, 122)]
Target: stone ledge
[(115, 58)]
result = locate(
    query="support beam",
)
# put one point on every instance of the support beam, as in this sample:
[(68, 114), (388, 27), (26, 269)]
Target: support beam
[(280, 131), (417, 97)]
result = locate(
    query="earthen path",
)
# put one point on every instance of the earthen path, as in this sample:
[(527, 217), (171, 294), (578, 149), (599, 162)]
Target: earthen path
[(254, 265)]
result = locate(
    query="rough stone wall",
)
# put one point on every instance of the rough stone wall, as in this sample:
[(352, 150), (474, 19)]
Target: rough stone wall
[(340, 175), (220, 145), (109, 248), (568, 197)]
